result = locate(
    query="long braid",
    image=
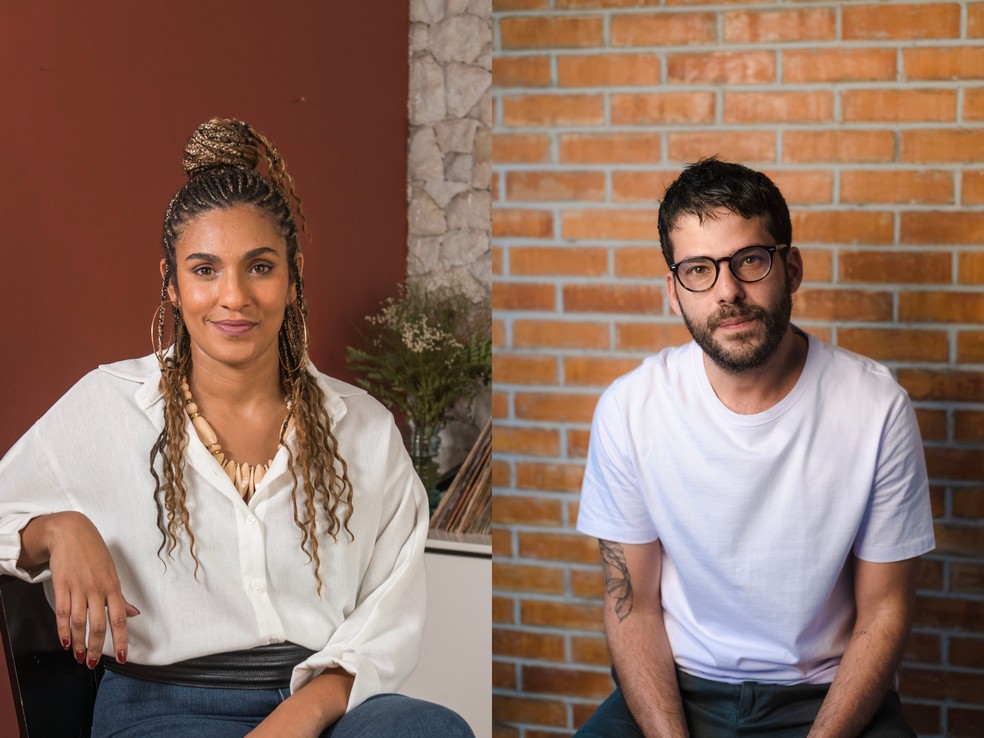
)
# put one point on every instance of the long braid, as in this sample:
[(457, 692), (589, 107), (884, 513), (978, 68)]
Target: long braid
[(220, 159)]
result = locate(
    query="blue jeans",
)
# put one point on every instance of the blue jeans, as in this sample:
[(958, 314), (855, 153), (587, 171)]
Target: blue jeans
[(132, 708)]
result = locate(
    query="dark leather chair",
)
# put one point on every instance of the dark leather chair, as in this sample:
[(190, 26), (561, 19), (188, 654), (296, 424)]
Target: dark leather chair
[(53, 694)]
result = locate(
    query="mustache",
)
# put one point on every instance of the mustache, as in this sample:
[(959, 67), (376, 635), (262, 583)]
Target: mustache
[(733, 311)]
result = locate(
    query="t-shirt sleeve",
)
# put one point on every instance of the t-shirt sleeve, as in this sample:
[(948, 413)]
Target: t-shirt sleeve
[(612, 504), (898, 521)]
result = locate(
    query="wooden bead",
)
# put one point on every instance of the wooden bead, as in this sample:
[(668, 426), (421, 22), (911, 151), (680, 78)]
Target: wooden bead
[(205, 431)]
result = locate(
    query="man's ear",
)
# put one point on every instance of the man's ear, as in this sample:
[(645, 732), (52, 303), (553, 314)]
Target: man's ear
[(794, 269), (671, 294)]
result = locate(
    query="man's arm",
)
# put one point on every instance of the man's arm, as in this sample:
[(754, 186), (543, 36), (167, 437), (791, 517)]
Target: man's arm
[(637, 637), (884, 595)]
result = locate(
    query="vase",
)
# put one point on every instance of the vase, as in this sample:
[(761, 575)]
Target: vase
[(425, 441)]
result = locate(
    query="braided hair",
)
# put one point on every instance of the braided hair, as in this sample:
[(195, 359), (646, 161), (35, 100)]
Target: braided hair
[(221, 160)]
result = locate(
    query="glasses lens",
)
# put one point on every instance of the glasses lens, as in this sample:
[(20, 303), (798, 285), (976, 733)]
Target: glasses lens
[(697, 274), (751, 264)]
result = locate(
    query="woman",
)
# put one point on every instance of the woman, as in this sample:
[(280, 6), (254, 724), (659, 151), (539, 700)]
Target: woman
[(287, 522)]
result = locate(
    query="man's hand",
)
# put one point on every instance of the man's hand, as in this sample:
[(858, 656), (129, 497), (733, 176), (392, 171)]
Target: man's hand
[(884, 595), (637, 637), (85, 583)]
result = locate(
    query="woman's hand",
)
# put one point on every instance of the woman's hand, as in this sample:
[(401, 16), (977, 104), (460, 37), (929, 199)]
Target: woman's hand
[(85, 583), (312, 709)]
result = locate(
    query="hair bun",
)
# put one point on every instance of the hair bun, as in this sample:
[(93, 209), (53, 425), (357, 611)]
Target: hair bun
[(220, 142)]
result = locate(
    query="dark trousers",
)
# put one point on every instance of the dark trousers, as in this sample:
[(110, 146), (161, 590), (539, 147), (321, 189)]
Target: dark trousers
[(720, 710)]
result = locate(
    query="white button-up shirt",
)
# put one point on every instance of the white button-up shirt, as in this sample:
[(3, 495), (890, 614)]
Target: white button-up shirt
[(90, 453)]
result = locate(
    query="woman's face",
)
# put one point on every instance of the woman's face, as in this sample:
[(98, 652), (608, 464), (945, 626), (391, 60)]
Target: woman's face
[(232, 284)]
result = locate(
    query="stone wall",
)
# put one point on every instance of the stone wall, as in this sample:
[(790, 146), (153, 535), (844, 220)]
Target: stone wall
[(450, 151)]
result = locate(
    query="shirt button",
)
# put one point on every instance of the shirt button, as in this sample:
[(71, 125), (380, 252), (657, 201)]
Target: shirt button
[(250, 520), (256, 586)]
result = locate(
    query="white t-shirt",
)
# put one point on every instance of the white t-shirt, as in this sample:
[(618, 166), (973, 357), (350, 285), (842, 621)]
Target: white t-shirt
[(758, 515), (91, 453)]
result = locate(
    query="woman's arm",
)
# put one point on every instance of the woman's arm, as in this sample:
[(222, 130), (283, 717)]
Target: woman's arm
[(310, 710), (84, 580)]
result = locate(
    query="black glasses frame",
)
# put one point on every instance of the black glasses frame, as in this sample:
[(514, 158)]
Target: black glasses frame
[(731, 265)]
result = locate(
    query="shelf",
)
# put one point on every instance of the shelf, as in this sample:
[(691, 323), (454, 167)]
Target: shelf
[(471, 544)]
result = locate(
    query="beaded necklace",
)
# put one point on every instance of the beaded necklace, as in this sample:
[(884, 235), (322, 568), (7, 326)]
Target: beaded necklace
[(245, 477)]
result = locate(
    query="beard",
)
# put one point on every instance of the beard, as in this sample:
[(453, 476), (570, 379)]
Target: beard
[(743, 352)]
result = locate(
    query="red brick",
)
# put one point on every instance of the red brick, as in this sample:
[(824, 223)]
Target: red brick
[(561, 614), (943, 227), (837, 65), (750, 146), (609, 223), (550, 32), (901, 106), (950, 613), (524, 644), (782, 107), (923, 719), (970, 347), (972, 188), (608, 70), (895, 266), (966, 464), (608, 298), (560, 186), (975, 20), (553, 110), (943, 385), (501, 474), (843, 226), (834, 147), (895, 344), (550, 260), (566, 681), (932, 423), (510, 709), (942, 307), (628, 186), (523, 296), (549, 476), (502, 609), (662, 29), (597, 371), (968, 503), (560, 334), (804, 187), (662, 108), (588, 650), (640, 261), (898, 22), (923, 648), (649, 337), (973, 106), (722, 68), (968, 426), (571, 547), (496, 266), (508, 223), (818, 265), (577, 446), (842, 305), (504, 675), (519, 4), (942, 145), (576, 4), (943, 63), (524, 578), (967, 722), (529, 441), (510, 148), (929, 574), (587, 583), (610, 148), (500, 405), (746, 26), (967, 577), (902, 187), (563, 407), (522, 369), (970, 267), (521, 71)]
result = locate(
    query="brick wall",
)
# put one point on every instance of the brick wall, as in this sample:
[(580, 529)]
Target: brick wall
[(870, 117)]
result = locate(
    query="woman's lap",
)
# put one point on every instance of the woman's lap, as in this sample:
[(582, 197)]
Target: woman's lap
[(129, 708)]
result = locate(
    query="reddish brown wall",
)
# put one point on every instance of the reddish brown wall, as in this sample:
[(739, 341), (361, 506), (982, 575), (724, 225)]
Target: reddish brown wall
[(97, 102)]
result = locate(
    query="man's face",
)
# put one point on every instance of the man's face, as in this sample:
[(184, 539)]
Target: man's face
[(739, 325)]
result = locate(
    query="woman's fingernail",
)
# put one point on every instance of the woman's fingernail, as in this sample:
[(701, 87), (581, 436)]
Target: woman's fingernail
[(121, 657), (80, 656), (92, 663), (66, 644)]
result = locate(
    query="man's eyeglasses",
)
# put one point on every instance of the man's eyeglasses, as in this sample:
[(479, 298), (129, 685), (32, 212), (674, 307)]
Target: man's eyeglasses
[(750, 264)]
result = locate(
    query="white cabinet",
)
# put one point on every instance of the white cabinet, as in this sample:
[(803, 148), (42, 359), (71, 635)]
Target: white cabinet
[(455, 666)]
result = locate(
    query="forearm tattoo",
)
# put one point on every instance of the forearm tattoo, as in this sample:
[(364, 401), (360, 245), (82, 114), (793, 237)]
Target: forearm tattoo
[(618, 585)]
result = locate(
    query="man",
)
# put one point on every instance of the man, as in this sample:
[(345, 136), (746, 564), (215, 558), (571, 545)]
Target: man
[(759, 496)]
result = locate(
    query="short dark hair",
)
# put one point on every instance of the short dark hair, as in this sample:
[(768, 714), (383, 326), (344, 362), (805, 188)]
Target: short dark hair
[(709, 185)]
